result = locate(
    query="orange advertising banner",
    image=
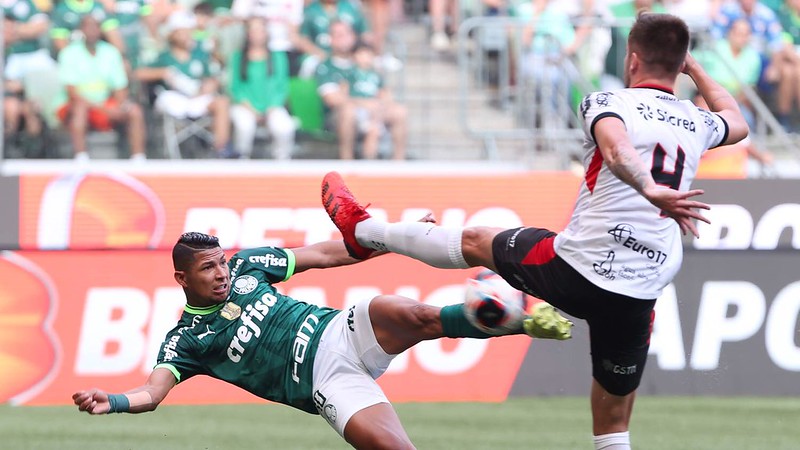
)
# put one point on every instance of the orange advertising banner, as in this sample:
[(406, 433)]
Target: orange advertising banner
[(93, 211), (95, 318)]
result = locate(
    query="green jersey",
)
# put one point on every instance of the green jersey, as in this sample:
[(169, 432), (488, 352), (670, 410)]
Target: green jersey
[(130, 13), (267, 81), (196, 67), (364, 83), (67, 17), (317, 21), (259, 340), (23, 11), (332, 71)]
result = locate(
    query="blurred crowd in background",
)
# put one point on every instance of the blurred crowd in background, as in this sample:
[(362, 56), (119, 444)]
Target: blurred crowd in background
[(233, 73)]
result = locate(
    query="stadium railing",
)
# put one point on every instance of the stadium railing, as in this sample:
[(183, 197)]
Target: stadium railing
[(486, 41)]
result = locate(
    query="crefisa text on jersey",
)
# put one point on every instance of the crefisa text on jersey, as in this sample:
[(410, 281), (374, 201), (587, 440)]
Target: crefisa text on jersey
[(249, 327), (268, 260)]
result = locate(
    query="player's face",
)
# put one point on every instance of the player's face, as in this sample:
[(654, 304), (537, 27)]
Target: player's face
[(208, 278)]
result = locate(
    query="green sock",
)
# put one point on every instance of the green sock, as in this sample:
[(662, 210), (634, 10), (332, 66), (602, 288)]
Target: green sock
[(456, 325)]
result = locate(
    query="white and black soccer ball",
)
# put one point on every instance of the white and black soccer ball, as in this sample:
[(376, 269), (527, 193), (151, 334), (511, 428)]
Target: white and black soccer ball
[(492, 305)]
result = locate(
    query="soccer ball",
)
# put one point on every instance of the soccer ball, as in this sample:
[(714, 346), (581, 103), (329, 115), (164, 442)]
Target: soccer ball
[(492, 305)]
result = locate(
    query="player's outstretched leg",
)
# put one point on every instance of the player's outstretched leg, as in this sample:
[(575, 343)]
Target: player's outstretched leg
[(546, 323), (345, 212), (432, 244)]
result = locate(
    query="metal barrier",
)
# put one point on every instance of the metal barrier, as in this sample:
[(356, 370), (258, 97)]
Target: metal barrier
[(767, 126), (538, 100), (541, 97)]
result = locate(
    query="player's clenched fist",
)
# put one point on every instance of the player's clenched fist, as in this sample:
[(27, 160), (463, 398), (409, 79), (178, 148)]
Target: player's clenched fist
[(93, 401)]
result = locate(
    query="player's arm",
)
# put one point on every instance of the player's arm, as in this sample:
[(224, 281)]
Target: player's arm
[(141, 399), (622, 159), (323, 255), (719, 100)]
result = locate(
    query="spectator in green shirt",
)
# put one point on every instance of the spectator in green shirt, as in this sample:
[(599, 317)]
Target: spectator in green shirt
[(93, 75), (259, 86), (315, 34), (136, 21), (67, 15), (732, 63), (189, 89), (376, 110)]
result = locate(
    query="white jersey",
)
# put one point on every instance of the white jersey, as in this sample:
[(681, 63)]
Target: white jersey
[(281, 15), (616, 238)]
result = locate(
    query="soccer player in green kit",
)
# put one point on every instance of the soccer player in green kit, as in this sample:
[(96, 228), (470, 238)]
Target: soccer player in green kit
[(238, 328)]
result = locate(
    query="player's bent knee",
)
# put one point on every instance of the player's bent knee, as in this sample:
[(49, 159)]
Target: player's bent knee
[(619, 384), (476, 245)]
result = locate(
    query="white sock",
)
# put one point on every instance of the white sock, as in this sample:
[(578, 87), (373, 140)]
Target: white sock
[(434, 245), (613, 441)]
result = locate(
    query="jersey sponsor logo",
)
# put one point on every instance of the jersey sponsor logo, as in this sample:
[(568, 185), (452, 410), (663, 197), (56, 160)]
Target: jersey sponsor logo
[(623, 234), (602, 99), (606, 268), (512, 241), (231, 311), (268, 260), (301, 341), (645, 111), (250, 328), (236, 267), (170, 346), (585, 105), (330, 413), (351, 318), (661, 115), (627, 273), (245, 284), (709, 121), (319, 400), (618, 369), (653, 255), (172, 343), (208, 332)]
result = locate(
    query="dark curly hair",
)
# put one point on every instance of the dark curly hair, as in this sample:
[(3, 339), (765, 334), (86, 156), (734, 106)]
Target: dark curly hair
[(188, 244)]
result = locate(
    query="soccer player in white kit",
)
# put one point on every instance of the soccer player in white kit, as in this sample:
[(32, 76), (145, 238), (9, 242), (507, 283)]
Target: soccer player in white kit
[(622, 245)]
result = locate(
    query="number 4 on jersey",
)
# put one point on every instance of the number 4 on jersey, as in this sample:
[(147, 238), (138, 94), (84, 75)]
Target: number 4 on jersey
[(663, 177)]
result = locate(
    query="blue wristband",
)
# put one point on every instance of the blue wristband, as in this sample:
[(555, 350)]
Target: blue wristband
[(118, 403)]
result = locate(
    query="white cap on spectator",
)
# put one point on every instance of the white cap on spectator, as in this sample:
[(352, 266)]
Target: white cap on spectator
[(180, 20)]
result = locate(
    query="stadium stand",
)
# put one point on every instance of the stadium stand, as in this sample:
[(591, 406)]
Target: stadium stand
[(471, 74)]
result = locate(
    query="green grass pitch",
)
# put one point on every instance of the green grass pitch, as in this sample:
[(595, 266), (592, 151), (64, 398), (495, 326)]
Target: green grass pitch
[(552, 423)]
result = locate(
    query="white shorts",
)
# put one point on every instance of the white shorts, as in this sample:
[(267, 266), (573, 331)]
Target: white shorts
[(181, 106), (347, 362), (21, 64)]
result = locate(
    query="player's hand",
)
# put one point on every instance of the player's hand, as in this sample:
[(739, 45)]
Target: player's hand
[(428, 218), (689, 64), (93, 401), (678, 206)]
